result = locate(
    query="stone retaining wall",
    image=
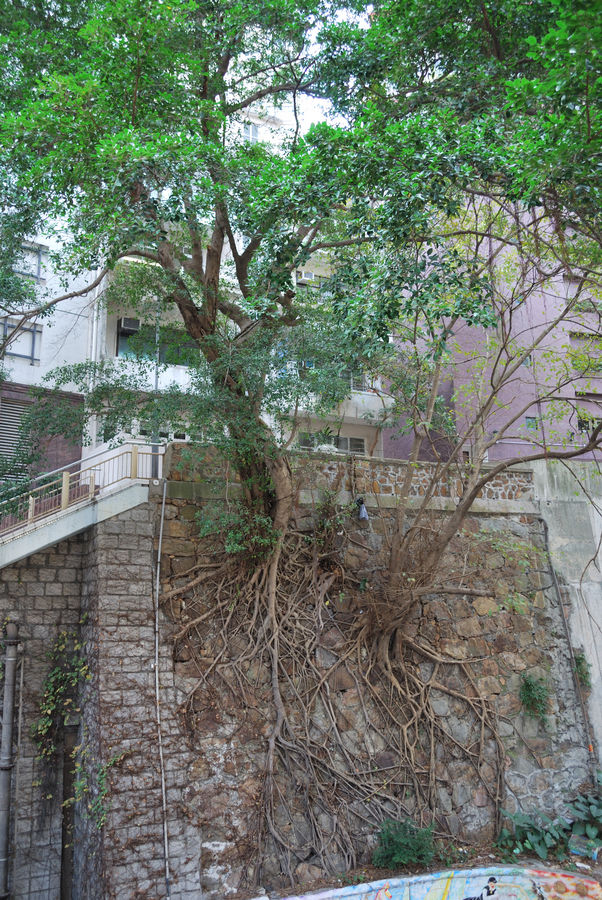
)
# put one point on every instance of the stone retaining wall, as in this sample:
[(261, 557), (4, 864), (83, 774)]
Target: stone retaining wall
[(353, 474), (212, 776)]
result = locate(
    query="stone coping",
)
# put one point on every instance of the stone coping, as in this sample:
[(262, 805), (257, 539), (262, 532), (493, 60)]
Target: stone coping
[(395, 461), (198, 491), (511, 883)]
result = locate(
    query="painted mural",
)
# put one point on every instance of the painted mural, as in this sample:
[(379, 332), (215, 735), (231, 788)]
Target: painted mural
[(491, 883)]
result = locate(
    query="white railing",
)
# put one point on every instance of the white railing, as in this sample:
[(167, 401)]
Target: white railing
[(78, 483)]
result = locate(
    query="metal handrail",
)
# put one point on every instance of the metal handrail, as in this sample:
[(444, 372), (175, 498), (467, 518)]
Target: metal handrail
[(57, 491), (86, 459)]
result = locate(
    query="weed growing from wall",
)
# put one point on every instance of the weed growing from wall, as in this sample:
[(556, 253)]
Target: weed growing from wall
[(247, 534), (583, 670), (537, 833), (534, 694)]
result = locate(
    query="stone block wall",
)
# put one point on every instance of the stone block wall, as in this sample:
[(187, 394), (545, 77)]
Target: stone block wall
[(42, 595), (507, 624), (103, 579), (126, 858)]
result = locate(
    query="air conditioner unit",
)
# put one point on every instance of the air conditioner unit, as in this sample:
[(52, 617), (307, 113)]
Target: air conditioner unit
[(128, 326)]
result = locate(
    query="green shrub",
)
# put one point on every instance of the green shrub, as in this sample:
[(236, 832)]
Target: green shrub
[(538, 834), (586, 812), (246, 533), (403, 844), (534, 834)]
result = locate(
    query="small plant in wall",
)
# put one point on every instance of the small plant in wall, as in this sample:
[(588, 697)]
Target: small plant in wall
[(582, 669), (534, 694)]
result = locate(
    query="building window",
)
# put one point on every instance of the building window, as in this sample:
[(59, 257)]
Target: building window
[(305, 280), (309, 440), (531, 423), (586, 423), (164, 434), (25, 340), (251, 132), (126, 329), (31, 261), (358, 380), (136, 340), (586, 352)]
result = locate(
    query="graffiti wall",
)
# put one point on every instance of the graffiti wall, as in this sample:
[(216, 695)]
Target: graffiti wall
[(495, 883)]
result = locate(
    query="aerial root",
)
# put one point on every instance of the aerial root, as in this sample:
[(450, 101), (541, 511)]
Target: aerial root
[(353, 737)]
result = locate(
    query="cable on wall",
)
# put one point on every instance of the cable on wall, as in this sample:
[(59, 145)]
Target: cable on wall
[(157, 698)]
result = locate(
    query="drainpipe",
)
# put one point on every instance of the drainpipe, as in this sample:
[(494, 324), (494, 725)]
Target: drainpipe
[(6, 749)]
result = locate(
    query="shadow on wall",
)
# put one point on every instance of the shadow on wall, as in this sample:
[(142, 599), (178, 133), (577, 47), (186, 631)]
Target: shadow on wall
[(495, 883)]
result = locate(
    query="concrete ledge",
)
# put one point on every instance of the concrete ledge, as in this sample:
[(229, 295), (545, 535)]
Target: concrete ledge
[(389, 501), (57, 528)]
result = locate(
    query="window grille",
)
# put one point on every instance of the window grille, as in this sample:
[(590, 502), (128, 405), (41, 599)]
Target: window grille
[(31, 261), (175, 348)]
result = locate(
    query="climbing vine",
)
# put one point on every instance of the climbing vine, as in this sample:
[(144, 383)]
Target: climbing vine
[(58, 704)]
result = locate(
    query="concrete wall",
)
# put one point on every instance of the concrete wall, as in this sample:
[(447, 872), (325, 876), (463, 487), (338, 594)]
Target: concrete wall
[(571, 505)]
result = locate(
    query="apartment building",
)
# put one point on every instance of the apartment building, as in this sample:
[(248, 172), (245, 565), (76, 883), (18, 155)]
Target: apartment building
[(83, 329), (552, 400)]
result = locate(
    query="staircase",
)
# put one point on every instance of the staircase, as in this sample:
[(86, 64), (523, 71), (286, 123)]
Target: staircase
[(59, 504)]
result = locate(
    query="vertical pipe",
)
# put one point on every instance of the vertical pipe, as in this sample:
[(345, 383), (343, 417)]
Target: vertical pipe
[(6, 749), (158, 697)]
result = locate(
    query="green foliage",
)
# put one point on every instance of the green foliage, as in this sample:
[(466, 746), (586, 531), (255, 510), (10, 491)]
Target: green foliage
[(99, 807), (539, 834), (534, 694), (330, 518), (586, 812), (515, 602), (403, 844), (534, 834), (58, 705), (247, 534), (583, 669)]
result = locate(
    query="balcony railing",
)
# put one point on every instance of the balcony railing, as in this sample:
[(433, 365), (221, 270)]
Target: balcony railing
[(78, 483)]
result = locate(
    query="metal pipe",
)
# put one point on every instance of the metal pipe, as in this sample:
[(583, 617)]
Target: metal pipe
[(158, 698), (6, 749)]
